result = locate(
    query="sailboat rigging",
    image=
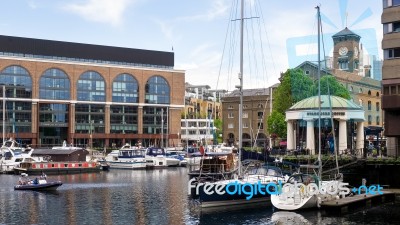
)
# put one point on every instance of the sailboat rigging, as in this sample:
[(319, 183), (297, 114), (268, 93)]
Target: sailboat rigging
[(261, 175)]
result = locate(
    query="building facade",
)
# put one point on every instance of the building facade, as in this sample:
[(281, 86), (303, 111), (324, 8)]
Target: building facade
[(257, 106), (391, 74), (88, 94), (346, 68), (202, 106)]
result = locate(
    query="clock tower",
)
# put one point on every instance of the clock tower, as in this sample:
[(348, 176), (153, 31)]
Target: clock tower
[(346, 51)]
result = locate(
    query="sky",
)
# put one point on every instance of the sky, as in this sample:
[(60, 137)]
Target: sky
[(203, 34)]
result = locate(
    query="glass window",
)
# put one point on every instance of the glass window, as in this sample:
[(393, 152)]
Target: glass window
[(395, 2), (124, 119), (89, 118), (260, 126), (369, 119), (393, 90), (125, 89), (157, 91), (91, 87), (54, 84), (155, 120), (18, 82), (344, 65), (377, 120), (369, 105), (377, 106)]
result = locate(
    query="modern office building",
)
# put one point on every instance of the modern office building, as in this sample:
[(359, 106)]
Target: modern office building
[(88, 94), (391, 74)]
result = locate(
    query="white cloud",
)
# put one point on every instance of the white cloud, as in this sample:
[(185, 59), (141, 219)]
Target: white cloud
[(218, 8), (104, 11)]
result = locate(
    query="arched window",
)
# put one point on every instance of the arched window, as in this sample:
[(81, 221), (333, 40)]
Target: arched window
[(18, 82), (360, 91), (125, 89), (91, 87), (351, 88), (369, 92), (377, 94), (157, 91), (54, 84)]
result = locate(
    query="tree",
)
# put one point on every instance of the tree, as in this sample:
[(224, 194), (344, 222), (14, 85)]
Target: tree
[(277, 124), (295, 86), (218, 132), (335, 88)]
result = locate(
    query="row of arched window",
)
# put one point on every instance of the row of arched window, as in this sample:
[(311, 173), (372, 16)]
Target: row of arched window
[(361, 91), (54, 84)]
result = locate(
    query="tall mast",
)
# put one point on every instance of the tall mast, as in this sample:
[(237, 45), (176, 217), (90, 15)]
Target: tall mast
[(319, 93), (4, 113), (241, 87), (162, 128)]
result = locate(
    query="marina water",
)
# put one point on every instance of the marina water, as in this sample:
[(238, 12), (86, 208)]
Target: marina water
[(150, 197)]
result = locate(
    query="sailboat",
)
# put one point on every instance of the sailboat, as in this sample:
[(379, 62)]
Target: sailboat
[(241, 189), (302, 191)]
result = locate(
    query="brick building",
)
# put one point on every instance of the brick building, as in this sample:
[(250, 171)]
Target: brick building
[(88, 94)]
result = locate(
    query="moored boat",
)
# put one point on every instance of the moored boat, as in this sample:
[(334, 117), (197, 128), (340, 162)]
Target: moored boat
[(159, 158), (57, 167), (127, 158)]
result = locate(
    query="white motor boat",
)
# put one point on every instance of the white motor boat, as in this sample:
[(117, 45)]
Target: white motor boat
[(159, 158), (176, 154), (12, 155), (127, 158)]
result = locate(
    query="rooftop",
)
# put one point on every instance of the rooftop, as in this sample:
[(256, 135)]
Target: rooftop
[(336, 102)]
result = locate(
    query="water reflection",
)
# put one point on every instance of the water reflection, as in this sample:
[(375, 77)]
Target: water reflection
[(149, 197)]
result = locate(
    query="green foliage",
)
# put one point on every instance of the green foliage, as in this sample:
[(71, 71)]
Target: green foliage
[(218, 124), (335, 88), (277, 124), (295, 86)]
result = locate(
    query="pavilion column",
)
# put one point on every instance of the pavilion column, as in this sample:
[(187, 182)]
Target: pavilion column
[(310, 136), (342, 135), (290, 138), (360, 135)]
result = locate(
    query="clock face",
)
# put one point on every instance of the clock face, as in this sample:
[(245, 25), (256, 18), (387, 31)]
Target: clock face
[(355, 51), (343, 50)]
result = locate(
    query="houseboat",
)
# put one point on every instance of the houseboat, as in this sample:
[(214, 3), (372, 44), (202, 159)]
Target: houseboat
[(65, 167), (59, 161)]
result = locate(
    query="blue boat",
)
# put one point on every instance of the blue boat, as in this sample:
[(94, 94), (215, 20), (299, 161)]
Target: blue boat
[(38, 184)]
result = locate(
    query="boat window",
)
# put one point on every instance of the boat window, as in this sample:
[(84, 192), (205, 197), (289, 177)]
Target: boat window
[(273, 172), (295, 179), (18, 160)]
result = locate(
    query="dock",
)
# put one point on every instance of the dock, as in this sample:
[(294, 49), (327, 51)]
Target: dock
[(355, 202)]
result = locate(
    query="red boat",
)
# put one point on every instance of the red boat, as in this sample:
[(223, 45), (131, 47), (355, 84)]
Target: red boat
[(57, 167)]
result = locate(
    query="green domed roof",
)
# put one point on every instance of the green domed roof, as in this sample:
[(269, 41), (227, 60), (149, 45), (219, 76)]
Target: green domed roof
[(337, 103)]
